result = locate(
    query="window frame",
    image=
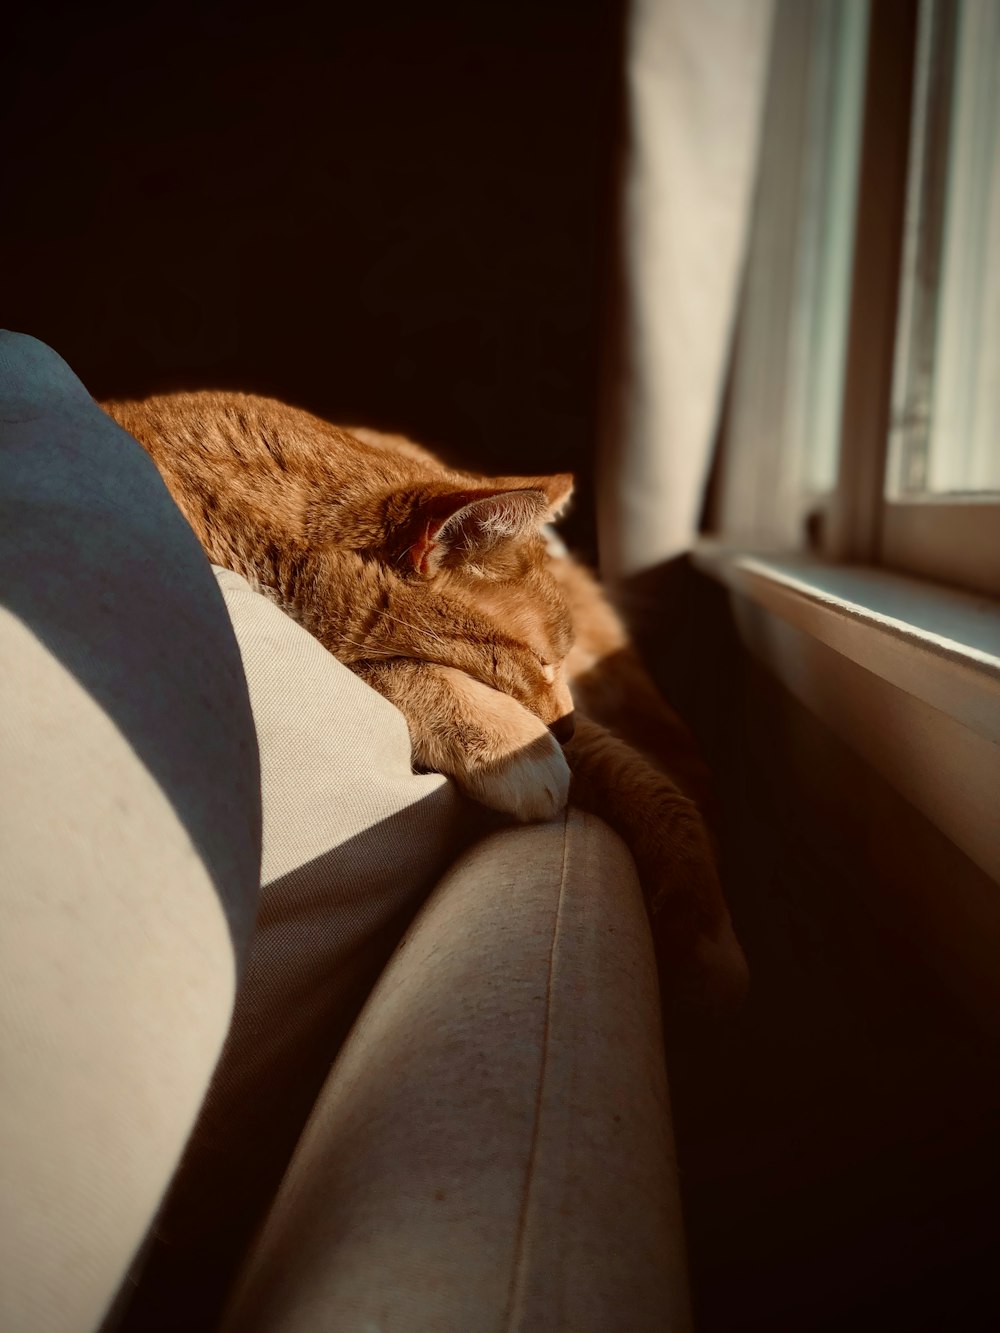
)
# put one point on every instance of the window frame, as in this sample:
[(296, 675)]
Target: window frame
[(851, 531)]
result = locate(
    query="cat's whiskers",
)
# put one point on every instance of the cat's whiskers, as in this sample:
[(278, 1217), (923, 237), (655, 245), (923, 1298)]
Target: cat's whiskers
[(369, 649), (409, 624)]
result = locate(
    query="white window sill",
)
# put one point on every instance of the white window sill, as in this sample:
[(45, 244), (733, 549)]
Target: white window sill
[(908, 673)]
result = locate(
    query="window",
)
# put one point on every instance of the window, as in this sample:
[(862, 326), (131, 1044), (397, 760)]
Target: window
[(864, 405), (942, 508), (859, 472)]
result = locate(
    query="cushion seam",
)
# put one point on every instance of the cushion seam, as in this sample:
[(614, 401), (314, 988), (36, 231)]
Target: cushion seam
[(518, 1262)]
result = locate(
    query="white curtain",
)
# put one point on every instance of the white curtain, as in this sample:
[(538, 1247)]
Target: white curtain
[(696, 76)]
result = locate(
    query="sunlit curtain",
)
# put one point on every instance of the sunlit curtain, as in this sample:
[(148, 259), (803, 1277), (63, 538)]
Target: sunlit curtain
[(696, 76)]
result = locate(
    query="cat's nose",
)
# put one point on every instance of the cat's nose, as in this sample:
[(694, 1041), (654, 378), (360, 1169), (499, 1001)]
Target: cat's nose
[(562, 728)]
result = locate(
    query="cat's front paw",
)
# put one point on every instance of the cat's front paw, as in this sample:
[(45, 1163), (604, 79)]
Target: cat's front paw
[(530, 784), (500, 754)]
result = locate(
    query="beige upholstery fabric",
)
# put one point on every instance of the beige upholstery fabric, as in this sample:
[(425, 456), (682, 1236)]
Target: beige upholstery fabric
[(352, 837), (129, 842), (352, 842), (492, 1150)]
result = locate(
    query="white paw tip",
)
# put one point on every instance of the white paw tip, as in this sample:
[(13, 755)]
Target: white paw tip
[(530, 785)]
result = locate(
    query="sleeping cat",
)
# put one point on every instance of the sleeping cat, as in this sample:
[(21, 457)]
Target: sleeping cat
[(440, 590)]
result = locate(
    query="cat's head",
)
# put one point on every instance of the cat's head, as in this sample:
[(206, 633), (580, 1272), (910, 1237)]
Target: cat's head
[(473, 572)]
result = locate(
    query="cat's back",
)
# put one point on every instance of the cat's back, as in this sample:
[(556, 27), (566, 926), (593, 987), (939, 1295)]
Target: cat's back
[(220, 427), (250, 472)]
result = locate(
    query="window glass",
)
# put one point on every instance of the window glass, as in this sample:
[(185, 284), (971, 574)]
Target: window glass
[(945, 432)]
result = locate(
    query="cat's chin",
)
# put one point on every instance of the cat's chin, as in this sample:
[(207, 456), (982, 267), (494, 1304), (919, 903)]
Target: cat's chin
[(531, 785)]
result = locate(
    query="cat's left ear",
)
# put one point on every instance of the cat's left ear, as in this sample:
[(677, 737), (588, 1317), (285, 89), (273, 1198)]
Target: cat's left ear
[(462, 525)]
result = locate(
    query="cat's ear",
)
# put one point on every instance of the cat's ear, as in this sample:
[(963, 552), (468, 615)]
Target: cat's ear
[(461, 525), (557, 490)]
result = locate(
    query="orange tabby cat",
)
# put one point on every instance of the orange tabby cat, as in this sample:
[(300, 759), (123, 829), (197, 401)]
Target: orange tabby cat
[(438, 588)]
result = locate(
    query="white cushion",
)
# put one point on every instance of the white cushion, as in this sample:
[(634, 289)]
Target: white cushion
[(352, 841)]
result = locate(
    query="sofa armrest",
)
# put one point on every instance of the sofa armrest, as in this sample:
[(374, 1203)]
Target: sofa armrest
[(493, 1148)]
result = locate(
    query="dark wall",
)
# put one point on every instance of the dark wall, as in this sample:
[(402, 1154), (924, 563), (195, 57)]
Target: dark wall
[(837, 1140), (390, 213)]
